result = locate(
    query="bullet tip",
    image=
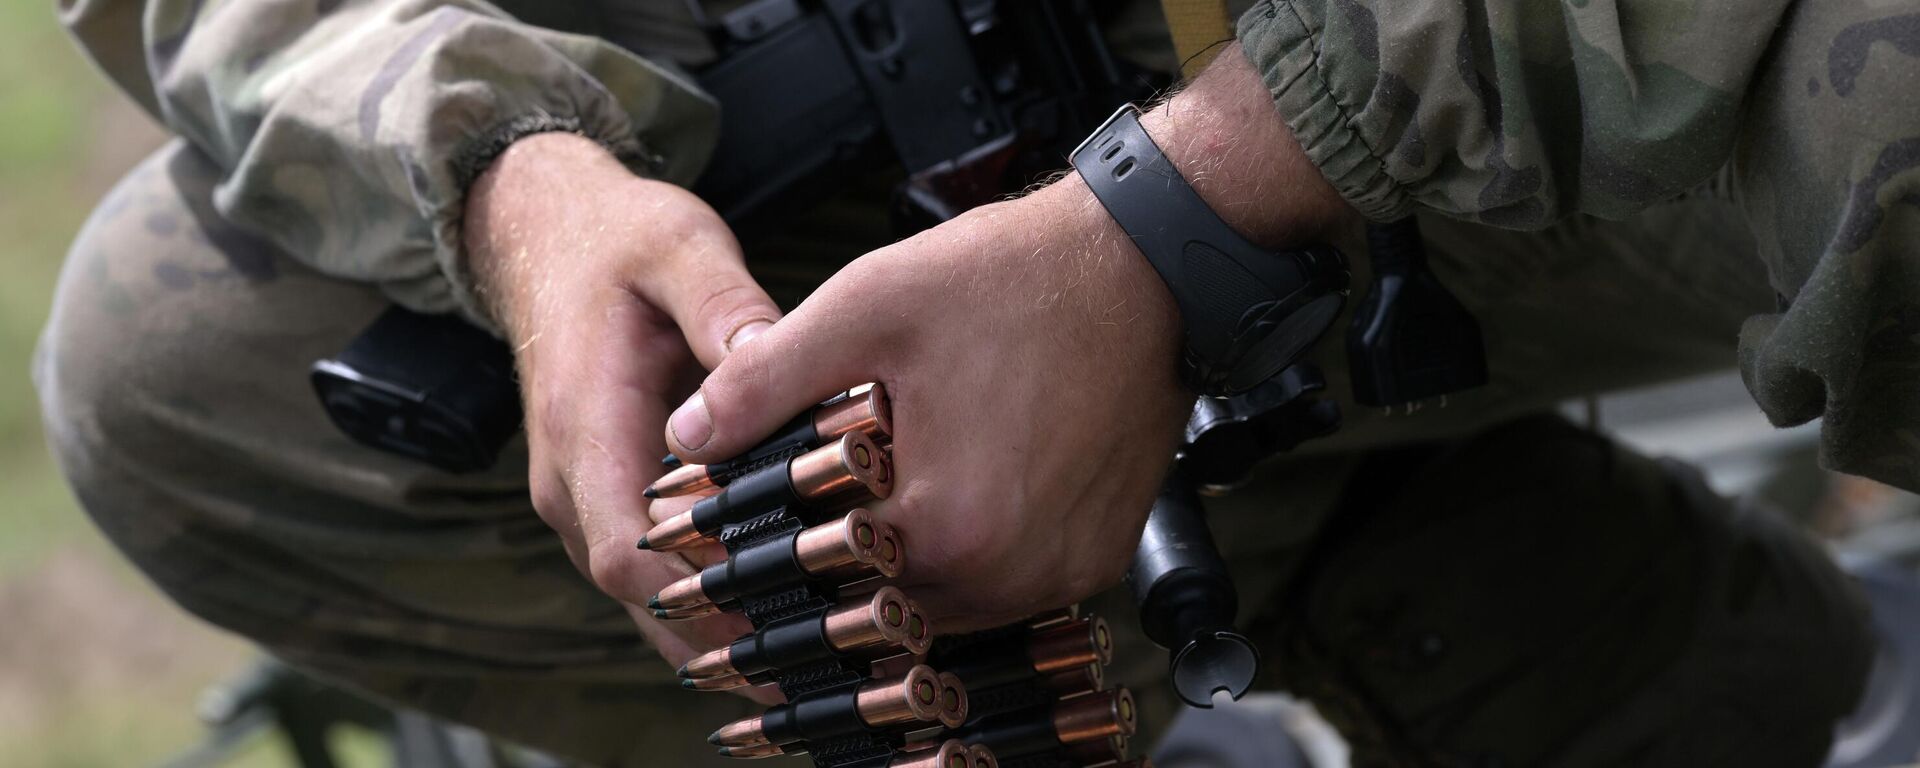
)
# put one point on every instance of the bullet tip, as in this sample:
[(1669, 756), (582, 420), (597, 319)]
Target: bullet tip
[(654, 602), (650, 492), (643, 543), (682, 672), (659, 614), (687, 684), (714, 738)]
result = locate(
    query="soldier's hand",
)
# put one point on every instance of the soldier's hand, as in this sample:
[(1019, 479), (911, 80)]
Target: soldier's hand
[(1032, 371), (1031, 352), (617, 293)]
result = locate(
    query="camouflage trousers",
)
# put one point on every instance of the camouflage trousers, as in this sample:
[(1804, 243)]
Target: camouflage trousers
[(1534, 595)]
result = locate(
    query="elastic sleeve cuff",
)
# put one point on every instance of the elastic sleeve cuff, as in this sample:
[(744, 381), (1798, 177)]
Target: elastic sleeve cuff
[(1284, 45), (474, 157), (487, 84)]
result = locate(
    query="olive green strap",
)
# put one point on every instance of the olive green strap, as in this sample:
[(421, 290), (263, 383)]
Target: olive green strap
[(1196, 26)]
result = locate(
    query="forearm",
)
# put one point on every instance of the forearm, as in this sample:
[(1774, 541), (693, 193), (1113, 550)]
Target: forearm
[(1226, 139), (1223, 135), (517, 216)]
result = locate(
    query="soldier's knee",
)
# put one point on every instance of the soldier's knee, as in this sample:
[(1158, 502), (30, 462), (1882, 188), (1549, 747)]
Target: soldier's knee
[(94, 369)]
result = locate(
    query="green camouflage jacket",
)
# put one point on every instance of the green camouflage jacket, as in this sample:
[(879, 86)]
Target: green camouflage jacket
[(342, 126), (1804, 114)]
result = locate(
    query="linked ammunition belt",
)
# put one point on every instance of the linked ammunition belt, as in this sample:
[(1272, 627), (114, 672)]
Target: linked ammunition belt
[(868, 684)]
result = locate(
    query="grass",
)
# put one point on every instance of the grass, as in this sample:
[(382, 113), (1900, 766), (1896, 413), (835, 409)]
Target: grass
[(46, 92), (96, 669)]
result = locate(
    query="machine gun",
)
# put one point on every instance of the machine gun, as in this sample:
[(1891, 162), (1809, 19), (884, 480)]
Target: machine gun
[(972, 98)]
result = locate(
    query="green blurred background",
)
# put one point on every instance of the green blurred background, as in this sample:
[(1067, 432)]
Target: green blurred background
[(96, 669)]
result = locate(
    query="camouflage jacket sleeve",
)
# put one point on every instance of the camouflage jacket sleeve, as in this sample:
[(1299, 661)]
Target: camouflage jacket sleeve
[(347, 131), (1516, 114)]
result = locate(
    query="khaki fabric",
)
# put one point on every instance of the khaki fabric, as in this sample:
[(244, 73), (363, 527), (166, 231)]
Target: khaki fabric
[(1519, 114), (340, 130)]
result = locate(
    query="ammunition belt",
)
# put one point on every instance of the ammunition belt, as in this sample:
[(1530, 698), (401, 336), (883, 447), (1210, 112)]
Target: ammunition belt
[(858, 661)]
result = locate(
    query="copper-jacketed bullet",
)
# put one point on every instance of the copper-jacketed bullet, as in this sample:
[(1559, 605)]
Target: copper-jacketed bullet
[(716, 683), (908, 699), (1073, 644), (869, 413), (1105, 751), (1054, 617), (849, 470), (1053, 727), (739, 734), (757, 752), (950, 754), (953, 701), (689, 613), (1088, 718), (1060, 648), (854, 548), (912, 698), (871, 625), (919, 630), (1076, 681), (979, 756)]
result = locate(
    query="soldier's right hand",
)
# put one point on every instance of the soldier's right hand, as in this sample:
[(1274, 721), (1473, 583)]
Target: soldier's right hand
[(617, 292)]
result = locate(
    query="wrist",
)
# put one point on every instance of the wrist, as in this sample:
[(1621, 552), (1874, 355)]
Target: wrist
[(555, 207), (1225, 137), (1231, 233), (1122, 294), (504, 229)]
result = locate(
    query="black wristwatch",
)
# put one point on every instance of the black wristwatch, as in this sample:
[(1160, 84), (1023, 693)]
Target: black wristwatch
[(1248, 312)]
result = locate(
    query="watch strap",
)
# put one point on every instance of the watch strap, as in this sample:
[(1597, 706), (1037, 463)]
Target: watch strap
[(1248, 312)]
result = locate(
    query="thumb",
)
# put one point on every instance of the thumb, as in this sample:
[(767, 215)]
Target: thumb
[(709, 294), (796, 363)]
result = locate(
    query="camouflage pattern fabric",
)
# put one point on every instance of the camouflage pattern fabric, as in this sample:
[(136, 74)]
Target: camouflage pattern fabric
[(315, 182), (340, 128), (1516, 114), (173, 383)]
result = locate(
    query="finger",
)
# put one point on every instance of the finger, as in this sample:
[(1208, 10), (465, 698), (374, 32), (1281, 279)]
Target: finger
[(611, 456), (706, 290), (796, 363)]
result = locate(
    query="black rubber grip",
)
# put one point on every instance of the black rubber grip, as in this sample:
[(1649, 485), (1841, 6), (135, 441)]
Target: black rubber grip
[(794, 437), (794, 642), (822, 715), (764, 566), (753, 494)]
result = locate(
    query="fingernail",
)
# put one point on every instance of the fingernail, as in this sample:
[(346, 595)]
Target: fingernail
[(745, 333), (691, 425)]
